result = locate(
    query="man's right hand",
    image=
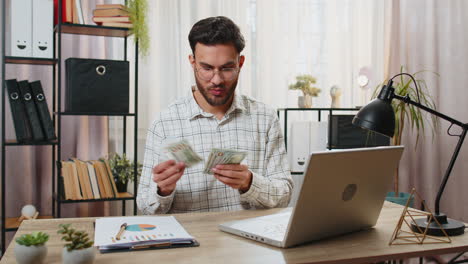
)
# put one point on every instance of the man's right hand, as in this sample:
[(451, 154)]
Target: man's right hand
[(166, 175)]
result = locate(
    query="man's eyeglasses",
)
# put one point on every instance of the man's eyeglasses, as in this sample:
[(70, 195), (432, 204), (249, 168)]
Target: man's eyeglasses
[(227, 74)]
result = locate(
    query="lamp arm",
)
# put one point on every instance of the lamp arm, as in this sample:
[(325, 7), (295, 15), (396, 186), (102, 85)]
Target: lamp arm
[(408, 100), (464, 126)]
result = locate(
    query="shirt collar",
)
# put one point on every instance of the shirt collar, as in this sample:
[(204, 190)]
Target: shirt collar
[(195, 110)]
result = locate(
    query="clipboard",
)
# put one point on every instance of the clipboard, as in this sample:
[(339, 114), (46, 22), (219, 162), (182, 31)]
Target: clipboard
[(134, 233)]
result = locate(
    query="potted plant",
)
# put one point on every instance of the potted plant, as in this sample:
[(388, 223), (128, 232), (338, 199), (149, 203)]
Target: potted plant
[(408, 113), (305, 83), (30, 248), (79, 249), (122, 169), (137, 10)]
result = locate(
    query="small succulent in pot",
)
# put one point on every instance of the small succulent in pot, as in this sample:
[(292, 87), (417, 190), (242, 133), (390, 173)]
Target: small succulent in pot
[(30, 248), (79, 248)]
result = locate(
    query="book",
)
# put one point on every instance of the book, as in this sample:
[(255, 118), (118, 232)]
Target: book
[(93, 179), (115, 234), (102, 189), (83, 175), (110, 12), (107, 179), (18, 112), (31, 111), (120, 19), (121, 25), (108, 6), (74, 13), (66, 180), (77, 192), (68, 11), (79, 12), (43, 110), (111, 176)]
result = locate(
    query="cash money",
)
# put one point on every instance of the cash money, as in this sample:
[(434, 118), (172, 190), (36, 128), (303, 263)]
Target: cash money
[(181, 151), (223, 156)]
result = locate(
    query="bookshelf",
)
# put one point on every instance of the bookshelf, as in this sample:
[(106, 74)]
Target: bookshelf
[(60, 30), (11, 224)]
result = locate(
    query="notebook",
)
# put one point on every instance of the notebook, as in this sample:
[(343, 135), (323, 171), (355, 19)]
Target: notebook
[(343, 191)]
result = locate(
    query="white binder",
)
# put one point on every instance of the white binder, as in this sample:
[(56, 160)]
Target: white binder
[(306, 137), (42, 29), (20, 28)]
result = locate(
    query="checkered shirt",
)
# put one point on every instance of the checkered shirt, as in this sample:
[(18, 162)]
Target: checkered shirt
[(248, 126)]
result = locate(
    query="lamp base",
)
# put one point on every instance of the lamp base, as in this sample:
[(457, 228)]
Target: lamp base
[(451, 227)]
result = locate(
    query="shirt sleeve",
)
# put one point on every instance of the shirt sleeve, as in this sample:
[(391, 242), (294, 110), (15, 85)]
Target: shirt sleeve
[(273, 187), (148, 199)]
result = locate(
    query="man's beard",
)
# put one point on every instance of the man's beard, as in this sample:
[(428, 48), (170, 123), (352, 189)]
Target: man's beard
[(214, 101)]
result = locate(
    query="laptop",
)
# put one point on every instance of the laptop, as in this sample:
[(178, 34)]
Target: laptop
[(343, 191)]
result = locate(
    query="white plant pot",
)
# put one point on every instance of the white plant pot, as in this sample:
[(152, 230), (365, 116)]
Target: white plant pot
[(81, 256), (304, 101), (31, 254)]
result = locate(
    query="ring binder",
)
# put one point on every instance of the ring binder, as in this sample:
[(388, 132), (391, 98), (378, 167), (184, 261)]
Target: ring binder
[(18, 112), (31, 111), (43, 110)]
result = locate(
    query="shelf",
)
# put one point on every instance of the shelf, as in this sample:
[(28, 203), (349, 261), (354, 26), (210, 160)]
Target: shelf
[(28, 60), (38, 143), (93, 30), (121, 197), (94, 114), (12, 223)]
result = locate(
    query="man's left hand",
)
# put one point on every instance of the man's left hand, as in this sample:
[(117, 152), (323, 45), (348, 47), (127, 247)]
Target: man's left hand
[(237, 176)]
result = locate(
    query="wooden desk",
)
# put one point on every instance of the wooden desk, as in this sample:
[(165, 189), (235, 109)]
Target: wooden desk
[(219, 247)]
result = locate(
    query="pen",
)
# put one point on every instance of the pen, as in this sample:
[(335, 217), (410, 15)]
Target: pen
[(122, 229)]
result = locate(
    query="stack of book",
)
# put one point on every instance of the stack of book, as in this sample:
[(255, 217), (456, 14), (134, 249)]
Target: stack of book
[(112, 15), (87, 179)]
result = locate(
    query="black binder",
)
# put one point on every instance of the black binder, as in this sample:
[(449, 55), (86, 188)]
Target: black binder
[(31, 111), (18, 112), (42, 110)]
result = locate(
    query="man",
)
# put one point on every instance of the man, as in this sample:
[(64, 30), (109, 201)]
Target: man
[(214, 116)]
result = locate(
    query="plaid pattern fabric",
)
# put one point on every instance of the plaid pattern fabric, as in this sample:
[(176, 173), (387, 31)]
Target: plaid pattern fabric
[(247, 126)]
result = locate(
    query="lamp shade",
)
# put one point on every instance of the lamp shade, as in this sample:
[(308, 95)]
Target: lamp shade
[(377, 116)]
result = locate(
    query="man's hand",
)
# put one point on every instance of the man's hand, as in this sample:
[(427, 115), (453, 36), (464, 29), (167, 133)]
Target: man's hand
[(166, 175), (236, 176)]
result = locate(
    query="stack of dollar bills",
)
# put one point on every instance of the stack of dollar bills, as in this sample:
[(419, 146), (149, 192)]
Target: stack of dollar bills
[(181, 151)]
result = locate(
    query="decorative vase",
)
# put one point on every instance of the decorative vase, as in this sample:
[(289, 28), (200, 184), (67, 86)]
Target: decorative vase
[(80, 256), (121, 187), (30, 254), (304, 101)]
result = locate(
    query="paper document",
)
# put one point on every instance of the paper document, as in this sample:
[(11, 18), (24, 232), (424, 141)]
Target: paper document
[(139, 232)]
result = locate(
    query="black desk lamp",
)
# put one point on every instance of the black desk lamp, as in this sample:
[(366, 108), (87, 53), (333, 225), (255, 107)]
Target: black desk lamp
[(379, 116)]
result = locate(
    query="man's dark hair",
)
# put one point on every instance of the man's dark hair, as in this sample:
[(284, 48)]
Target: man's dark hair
[(216, 30)]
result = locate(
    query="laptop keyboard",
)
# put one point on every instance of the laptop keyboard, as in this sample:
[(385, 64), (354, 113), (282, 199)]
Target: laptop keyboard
[(270, 226)]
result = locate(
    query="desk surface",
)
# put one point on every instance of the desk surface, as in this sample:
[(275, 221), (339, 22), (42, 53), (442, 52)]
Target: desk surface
[(215, 246)]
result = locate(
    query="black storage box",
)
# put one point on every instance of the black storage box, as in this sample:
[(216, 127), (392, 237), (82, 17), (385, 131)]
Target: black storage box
[(96, 86)]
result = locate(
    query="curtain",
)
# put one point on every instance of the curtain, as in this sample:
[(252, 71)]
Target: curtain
[(431, 35), (332, 40)]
